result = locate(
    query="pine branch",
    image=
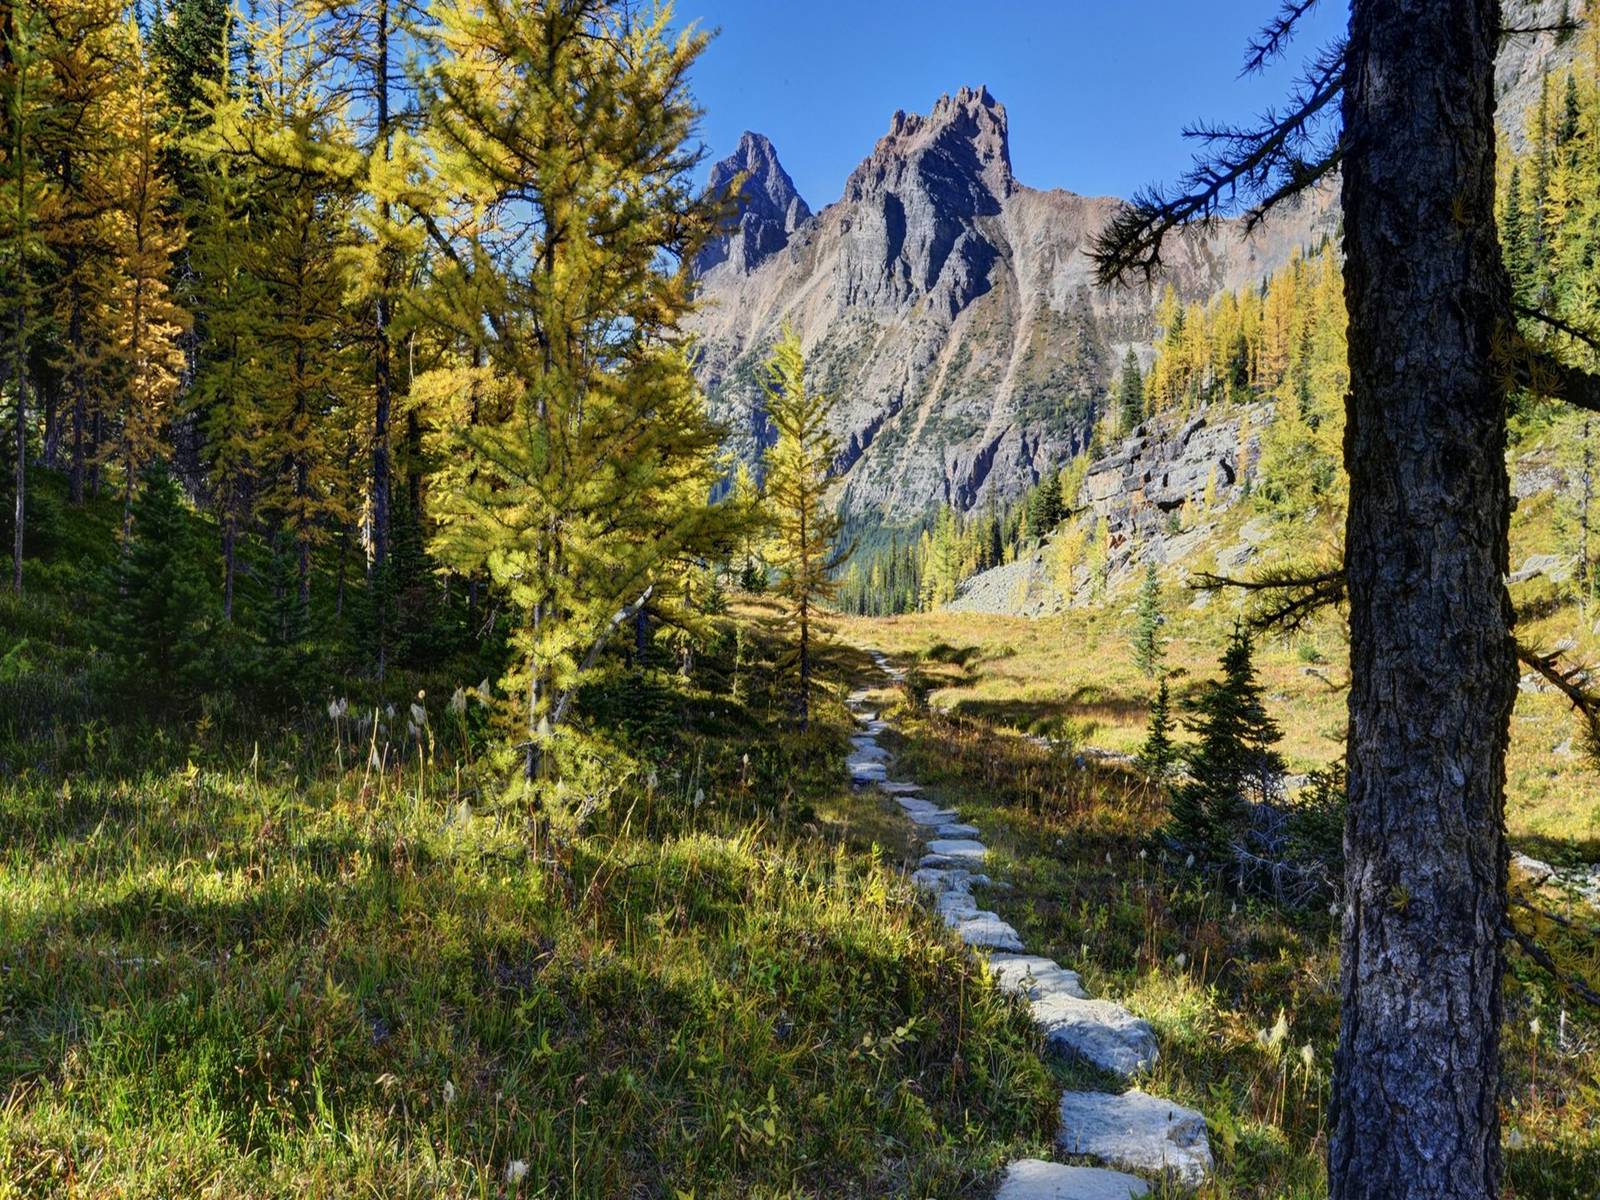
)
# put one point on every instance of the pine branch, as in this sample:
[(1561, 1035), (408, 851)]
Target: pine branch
[(1533, 368), (1273, 40), (1573, 683), (1267, 164), (1303, 594), (1572, 983), (1586, 336)]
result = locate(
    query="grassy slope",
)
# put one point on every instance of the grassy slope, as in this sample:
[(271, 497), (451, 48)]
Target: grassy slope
[(250, 965), (1213, 973)]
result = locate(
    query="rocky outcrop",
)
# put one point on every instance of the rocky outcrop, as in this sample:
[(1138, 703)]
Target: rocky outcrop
[(1526, 58), (1162, 466), (767, 208)]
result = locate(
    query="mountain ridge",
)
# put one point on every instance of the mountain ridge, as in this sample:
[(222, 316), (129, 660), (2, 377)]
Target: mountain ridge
[(952, 309)]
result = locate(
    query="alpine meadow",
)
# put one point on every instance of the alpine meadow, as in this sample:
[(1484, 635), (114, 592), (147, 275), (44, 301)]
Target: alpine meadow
[(537, 660)]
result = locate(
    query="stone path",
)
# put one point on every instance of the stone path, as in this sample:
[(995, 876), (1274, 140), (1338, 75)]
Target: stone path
[(1133, 1131)]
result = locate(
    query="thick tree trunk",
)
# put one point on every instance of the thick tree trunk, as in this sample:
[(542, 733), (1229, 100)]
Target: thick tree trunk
[(1433, 669)]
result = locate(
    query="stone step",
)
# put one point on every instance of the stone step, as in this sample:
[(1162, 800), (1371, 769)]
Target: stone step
[(898, 787), (957, 831), (1136, 1132), (932, 818), (1035, 1179), (958, 848), (942, 879), (986, 931), (865, 749), (1099, 1032), (866, 770)]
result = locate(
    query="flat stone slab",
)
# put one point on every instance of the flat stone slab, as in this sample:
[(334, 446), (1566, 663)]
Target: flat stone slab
[(898, 787), (1035, 1179), (1136, 1132), (986, 931), (957, 831), (957, 905), (940, 862), (859, 696), (940, 879), (934, 817), (958, 848), (914, 804), (1100, 1032), (866, 748), (866, 770)]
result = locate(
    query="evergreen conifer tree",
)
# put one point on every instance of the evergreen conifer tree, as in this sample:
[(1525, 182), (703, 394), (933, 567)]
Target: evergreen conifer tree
[(159, 607), (1159, 754), (1148, 644), (1130, 394), (1233, 761)]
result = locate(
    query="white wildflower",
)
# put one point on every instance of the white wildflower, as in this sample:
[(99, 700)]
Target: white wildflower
[(449, 1092), (1143, 854), (419, 715), (458, 702), (516, 1171), (699, 797), (1273, 1038), (1183, 960), (1307, 1056), (1515, 1140), (483, 692), (1534, 1027), (1189, 862)]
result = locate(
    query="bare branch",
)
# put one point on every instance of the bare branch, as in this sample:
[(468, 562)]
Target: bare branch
[(1250, 169)]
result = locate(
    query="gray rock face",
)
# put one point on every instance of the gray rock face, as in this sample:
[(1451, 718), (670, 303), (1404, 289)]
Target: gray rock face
[(768, 208), (1161, 467), (1101, 1033), (1137, 1132), (1035, 1179)]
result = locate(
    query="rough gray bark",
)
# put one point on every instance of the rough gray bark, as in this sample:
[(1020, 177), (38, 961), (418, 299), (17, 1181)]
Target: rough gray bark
[(1432, 661)]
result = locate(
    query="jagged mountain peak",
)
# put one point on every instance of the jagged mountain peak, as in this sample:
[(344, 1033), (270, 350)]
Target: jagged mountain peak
[(963, 141), (770, 207)]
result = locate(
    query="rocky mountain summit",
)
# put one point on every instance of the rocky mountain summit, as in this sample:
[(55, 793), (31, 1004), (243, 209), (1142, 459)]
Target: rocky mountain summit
[(950, 308), (768, 208)]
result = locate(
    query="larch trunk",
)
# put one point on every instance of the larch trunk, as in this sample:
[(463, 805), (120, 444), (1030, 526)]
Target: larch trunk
[(1433, 669)]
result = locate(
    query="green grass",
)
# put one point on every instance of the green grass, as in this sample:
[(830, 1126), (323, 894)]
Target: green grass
[(237, 959), (227, 978)]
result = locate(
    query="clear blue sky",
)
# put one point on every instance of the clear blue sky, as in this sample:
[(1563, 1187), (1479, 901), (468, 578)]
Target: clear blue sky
[(1097, 93)]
